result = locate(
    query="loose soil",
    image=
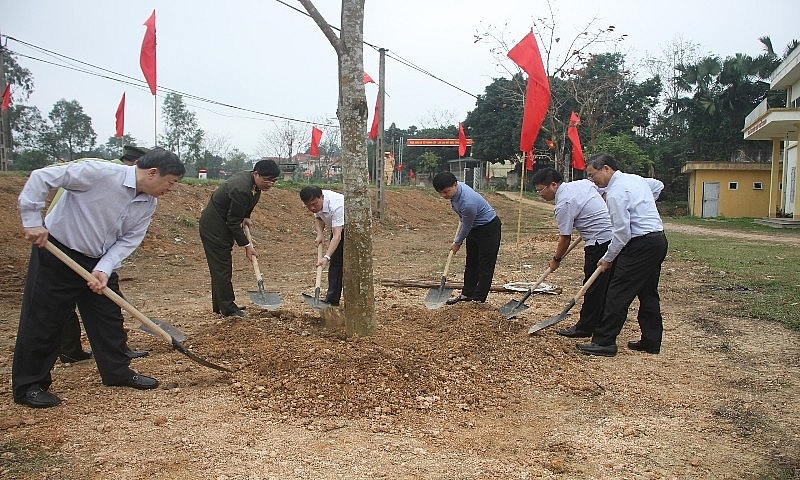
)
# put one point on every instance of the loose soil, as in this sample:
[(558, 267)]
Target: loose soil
[(453, 393)]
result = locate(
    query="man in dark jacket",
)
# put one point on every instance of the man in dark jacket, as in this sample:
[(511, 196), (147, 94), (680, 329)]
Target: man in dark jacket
[(221, 224)]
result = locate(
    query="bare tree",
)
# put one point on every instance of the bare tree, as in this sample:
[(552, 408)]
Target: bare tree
[(284, 140), (359, 291)]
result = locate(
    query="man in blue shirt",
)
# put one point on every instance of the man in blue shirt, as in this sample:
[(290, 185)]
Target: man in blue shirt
[(637, 250), (480, 227), (100, 220)]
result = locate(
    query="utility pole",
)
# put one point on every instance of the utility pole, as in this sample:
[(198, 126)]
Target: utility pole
[(5, 126), (379, 148)]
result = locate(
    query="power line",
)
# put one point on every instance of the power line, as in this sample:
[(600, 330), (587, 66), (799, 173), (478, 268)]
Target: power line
[(126, 79), (397, 58)]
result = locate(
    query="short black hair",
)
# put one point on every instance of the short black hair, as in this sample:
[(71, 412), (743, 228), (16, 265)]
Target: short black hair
[(546, 176), (599, 159), (443, 180), (165, 161), (310, 193), (267, 168)]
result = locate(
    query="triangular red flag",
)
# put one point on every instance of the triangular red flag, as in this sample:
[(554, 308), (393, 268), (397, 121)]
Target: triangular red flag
[(578, 162), (121, 117), (529, 160), (147, 57), (316, 135), (537, 93), (368, 79), (373, 132), (6, 97), (462, 141)]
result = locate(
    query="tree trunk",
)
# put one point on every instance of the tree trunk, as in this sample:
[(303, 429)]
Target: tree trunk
[(359, 291)]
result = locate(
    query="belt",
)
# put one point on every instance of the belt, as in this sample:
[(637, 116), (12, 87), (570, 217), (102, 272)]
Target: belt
[(660, 233)]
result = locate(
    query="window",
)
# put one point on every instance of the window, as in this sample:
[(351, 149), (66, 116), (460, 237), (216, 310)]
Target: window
[(733, 185), (758, 186)]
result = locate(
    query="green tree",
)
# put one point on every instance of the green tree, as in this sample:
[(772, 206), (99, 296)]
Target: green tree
[(181, 133), (237, 161), (631, 157), (70, 131), (112, 149), (494, 124)]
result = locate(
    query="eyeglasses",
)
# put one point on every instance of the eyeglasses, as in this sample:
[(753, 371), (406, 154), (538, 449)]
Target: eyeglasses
[(269, 179), (539, 190)]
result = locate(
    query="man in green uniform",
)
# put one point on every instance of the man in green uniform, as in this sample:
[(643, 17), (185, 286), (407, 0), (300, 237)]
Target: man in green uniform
[(221, 224)]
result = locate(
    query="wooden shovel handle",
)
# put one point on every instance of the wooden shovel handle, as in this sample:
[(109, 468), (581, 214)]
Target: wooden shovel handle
[(450, 255), (318, 281), (588, 284), (253, 260), (121, 302)]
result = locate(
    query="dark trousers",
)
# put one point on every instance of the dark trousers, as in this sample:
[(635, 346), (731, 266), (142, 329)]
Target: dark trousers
[(636, 273), (218, 245), (594, 299), (71, 336), (483, 243), (335, 274), (51, 292)]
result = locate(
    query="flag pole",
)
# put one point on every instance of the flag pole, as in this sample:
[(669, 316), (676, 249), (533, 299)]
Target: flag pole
[(519, 211), (155, 121)]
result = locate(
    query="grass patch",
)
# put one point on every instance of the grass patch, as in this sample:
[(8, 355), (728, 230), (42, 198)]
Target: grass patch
[(769, 275), (737, 224), (21, 460)]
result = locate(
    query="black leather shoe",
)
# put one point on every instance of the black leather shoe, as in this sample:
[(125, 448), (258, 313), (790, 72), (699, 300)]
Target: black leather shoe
[(238, 313), (75, 356), (139, 382), (35, 397), (573, 332), (595, 349), (136, 353), (460, 298), (641, 346)]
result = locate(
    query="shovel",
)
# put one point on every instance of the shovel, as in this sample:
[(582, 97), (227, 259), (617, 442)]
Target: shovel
[(437, 297), (565, 312), (513, 307), (154, 328), (261, 298), (314, 301)]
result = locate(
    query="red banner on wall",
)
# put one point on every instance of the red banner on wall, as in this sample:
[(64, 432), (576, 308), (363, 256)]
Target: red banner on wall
[(434, 142)]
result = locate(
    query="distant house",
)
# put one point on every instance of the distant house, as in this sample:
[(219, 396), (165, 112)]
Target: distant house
[(782, 126), (728, 189), (470, 171)]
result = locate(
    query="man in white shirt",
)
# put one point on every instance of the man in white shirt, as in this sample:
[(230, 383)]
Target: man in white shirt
[(580, 207), (637, 250), (328, 209), (101, 218)]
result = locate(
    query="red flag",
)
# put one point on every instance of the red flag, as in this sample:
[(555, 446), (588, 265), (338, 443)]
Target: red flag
[(529, 160), (411, 174), (316, 135), (537, 93), (462, 141), (6, 97), (368, 79), (147, 57), (121, 117), (373, 132), (577, 152)]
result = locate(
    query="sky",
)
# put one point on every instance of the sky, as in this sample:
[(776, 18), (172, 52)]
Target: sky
[(261, 55)]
